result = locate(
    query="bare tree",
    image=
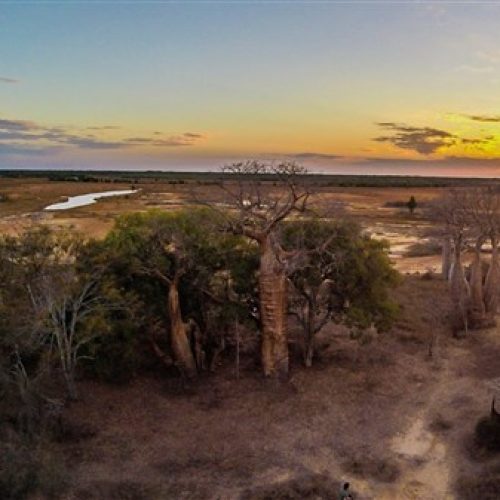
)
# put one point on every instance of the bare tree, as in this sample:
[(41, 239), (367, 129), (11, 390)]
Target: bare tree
[(469, 219), (491, 217), (62, 301), (446, 257), (255, 209), (452, 212)]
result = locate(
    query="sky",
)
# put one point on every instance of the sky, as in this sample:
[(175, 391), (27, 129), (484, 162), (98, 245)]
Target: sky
[(367, 87)]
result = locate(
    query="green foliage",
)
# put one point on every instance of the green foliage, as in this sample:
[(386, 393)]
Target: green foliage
[(357, 267), (143, 253)]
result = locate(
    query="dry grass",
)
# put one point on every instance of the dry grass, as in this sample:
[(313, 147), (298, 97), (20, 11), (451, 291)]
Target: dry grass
[(25, 196), (260, 439)]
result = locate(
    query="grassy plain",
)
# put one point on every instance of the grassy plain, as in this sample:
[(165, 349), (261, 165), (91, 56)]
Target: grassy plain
[(373, 207)]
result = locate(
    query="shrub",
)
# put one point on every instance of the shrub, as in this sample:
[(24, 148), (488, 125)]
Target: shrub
[(27, 467), (487, 433)]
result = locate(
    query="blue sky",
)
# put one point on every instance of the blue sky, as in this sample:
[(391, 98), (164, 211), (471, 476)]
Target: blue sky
[(194, 84)]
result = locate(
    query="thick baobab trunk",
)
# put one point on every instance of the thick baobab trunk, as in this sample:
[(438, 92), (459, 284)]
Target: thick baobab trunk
[(446, 258), (178, 333), (476, 287), (491, 287), (273, 310)]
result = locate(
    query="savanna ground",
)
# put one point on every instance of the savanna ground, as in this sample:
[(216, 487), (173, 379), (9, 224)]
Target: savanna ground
[(381, 412)]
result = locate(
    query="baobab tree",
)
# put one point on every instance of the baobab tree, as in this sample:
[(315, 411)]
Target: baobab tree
[(171, 260), (166, 247), (452, 213), (470, 218), (259, 197), (491, 217)]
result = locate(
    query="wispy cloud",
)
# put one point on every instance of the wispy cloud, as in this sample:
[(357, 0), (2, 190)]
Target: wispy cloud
[(17, 125), (491, 56), (423, 140), (315, 156), (484, 118), (469, 68), (427, 140), (28, 137), (104, 127), (5, 79)]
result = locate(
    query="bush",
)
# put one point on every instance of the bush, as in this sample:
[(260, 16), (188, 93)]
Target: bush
[(487, 433), (27, 467), (305, 486), (423, 249), (18, 472), (485, 486)]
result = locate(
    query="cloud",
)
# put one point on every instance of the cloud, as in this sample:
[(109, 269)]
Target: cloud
[(139, 139), (186, 139), (91, 143), (484, 118), (17, 125), (492, 56), (17, 136), (26, 150), (104, 127), (428, 140), (467, 68), (477, 141), (4, 79), (423, 140), (315, 156)]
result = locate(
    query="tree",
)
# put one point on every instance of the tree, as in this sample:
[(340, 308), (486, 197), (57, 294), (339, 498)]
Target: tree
[(65, 308), (50, 304), (412, 204), (452, 213), (179, 267), (343, 277), (256, 209), (469, 218)]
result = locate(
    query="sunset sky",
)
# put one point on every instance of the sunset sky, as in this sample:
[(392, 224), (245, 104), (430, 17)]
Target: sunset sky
[(364, 87)]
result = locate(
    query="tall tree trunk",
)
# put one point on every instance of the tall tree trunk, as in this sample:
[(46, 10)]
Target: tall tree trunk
[(446, 258), (308, 314), (476, 286), (273, 309), (178, 333), (491, 287), (460, 292)]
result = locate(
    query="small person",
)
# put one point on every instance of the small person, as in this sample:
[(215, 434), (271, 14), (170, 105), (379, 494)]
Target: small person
[(345, 494)]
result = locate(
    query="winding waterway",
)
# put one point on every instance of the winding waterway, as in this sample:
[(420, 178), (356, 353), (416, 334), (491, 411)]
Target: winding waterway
[(86, 199)]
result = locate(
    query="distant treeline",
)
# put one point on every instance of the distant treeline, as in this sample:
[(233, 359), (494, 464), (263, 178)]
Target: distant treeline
[(325, 180)]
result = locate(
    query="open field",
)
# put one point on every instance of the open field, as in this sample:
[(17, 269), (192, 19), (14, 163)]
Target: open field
[(372, 207)]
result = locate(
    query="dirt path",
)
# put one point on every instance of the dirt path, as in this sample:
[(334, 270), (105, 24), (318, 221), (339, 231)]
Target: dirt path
[(421, 455)]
